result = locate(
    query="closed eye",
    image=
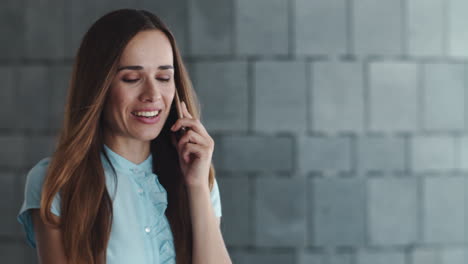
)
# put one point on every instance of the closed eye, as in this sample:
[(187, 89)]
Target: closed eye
[(164, 79), (136, 80), (130, 80)]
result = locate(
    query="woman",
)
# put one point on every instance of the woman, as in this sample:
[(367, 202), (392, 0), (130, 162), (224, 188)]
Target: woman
[(120, 188)]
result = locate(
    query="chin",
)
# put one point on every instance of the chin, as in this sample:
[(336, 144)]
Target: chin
[(148, 136)]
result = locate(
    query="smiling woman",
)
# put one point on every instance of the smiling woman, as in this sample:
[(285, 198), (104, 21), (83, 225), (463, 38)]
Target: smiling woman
[(142, 88), (120, 187)]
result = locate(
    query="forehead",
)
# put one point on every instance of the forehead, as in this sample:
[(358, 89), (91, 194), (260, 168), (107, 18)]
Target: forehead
[(149, 48)]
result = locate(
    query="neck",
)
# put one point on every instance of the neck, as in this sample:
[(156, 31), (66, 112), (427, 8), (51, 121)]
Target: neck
[(133, 150)]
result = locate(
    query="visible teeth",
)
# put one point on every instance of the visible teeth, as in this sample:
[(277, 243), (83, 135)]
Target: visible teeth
[(146, 114)]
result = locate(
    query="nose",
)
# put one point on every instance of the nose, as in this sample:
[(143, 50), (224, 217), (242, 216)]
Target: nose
[(151, 92)]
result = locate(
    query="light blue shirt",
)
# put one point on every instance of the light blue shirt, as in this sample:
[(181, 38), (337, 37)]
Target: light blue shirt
[(140, 230)]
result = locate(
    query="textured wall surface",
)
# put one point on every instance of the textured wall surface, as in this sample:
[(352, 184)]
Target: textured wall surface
[(340, 125)]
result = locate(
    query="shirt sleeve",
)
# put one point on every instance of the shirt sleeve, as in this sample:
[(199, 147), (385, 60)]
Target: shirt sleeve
[(216, 199), (32, 199)]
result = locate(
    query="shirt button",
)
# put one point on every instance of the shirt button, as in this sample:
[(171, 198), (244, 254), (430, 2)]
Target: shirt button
[(147, 230), (140, 191)]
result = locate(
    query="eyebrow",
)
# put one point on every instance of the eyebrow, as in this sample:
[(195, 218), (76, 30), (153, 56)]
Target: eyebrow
[(138, 67)]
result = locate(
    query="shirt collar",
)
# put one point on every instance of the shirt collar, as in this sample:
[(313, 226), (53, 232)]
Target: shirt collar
[(122, 164)]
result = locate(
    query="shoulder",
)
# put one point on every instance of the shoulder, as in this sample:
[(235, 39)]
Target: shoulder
[(33, 188), (40, 167), (36, 175), (215, 190), (32, 198), (216, 199)]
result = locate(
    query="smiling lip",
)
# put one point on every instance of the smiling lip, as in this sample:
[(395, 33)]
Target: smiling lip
[(147, 110), (146, 120)]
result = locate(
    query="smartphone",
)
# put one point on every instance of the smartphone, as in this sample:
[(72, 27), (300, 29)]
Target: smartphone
[(179, 133)]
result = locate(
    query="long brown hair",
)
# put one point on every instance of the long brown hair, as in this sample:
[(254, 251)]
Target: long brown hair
[(76, 171)]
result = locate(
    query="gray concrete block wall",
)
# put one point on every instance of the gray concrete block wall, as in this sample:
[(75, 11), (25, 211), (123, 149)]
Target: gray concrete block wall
[(340, 125), (254, 153), (237, 199), (310, 19), (279, 104), (7, 106), (432, 154), (426, 27), (337, 98), (224, 94), (392, 211), (377, 27), (266, 34), (385, 257), (431, 255), (457, 35), (12, 24), (324, 154), (44, 40), (443, 96), (380, 154), (442, 223), (32, 93), (279, 212), (337, 212), (393, 95), (211, 32)]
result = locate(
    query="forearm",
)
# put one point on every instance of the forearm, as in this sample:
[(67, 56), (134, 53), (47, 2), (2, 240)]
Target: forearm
[(208, 243)]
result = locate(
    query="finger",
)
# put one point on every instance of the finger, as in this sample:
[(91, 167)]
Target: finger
[(192, 137), (192, 150), (185, 110), (197, 125), (193, 124)]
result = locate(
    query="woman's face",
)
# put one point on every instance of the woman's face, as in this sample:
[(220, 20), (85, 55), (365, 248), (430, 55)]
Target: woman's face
[(143, 89)]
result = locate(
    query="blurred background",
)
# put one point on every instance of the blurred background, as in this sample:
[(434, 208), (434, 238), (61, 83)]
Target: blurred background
[(340, 125)]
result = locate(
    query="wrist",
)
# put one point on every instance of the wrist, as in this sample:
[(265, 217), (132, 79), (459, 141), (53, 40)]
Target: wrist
[(198, 188), (196, 191)]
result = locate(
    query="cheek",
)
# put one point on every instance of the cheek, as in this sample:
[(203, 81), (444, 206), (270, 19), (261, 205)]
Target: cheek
[(120, 99), (170, 93), (117, 104), (169, 99)]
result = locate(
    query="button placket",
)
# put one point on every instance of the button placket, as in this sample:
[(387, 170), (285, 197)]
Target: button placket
[(165, 246), (140, 174), (135, 170)]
